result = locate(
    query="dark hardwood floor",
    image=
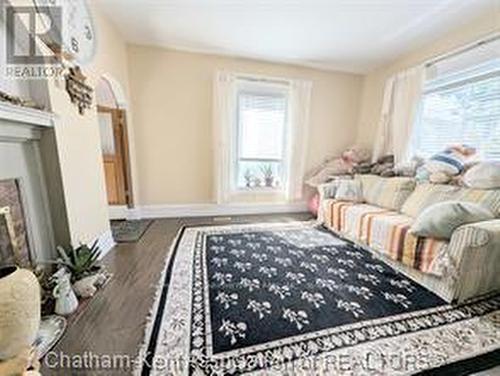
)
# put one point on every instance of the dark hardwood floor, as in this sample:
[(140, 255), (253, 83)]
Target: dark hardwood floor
[(113, 322)]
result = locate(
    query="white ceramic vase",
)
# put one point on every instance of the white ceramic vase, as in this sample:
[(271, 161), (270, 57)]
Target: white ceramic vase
[(19, 310)]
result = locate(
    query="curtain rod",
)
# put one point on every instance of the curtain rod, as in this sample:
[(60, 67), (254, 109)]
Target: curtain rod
[(263, 79), (462, 49)]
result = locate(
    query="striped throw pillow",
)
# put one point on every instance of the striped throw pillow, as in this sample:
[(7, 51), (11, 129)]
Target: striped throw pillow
[(447, 161)]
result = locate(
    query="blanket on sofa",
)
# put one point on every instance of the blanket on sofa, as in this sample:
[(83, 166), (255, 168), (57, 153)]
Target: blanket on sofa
[(385, 231)]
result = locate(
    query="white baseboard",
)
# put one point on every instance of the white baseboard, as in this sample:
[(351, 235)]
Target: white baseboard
[(106, 243), (117, 211), (208, 210), (203, 210), (122, 212)]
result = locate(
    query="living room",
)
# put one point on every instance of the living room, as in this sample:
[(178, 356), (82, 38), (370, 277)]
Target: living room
[(270, 187)]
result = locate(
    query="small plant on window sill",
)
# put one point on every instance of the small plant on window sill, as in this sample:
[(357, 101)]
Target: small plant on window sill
[(267, 171), (249, 178)]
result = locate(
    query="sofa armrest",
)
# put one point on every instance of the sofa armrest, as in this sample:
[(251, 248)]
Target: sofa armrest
[(474, 253), (326, 191)]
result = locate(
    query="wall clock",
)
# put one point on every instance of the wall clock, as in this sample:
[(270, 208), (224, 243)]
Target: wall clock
[(76, 29)]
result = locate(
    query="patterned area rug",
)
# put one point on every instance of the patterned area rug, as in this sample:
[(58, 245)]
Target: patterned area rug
[(129, 231), (295, 299)]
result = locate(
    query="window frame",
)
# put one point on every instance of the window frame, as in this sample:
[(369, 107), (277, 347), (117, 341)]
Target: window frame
[(475, 74), (265, 88)]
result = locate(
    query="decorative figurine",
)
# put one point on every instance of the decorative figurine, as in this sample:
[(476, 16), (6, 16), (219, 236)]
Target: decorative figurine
[(66, 301)]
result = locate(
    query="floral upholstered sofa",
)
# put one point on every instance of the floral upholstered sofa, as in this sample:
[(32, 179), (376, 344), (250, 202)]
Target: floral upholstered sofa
[(466, 266)]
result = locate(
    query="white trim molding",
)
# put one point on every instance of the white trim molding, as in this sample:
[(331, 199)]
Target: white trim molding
[(208, 210), (26, 115), (118, 211), (203, 210), (106, 243)]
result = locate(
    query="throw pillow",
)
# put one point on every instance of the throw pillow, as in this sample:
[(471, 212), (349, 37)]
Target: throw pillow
[(427, 194), (447, 161), (484, 175), (389, 193), (328, 190), (349, 190), (440, 220)]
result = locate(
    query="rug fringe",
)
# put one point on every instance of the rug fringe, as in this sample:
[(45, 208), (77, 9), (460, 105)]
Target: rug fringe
[(151, 315)]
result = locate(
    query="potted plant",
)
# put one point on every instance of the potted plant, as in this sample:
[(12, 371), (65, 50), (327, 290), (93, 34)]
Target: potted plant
[(267, 171), (81, 261)]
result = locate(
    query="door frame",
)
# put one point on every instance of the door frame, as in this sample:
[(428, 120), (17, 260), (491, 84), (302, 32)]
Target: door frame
[(122, 149)]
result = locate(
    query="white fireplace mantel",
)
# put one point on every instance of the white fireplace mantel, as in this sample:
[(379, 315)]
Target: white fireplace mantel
[(19, 123), (25, 115)]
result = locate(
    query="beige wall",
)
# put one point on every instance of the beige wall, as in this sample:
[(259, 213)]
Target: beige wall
[(171, 95), (373, 85), (78, 139)]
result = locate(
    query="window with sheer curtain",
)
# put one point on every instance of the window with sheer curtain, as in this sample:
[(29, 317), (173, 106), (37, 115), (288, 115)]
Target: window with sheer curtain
[(461, 105), (261, 135), (261, 131)]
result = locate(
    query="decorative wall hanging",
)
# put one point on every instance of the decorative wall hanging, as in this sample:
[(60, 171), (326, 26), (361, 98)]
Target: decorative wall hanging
[(79, 92)]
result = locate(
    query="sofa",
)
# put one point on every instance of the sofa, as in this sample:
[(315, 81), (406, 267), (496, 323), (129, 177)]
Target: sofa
[(464, 267)]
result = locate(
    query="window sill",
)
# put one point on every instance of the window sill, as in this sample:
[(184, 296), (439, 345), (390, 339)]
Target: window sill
[(258, 191)]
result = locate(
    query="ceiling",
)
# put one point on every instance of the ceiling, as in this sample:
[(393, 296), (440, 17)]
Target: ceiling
[(348, 35)]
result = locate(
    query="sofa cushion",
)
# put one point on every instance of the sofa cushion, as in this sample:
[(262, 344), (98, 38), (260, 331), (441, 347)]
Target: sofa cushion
[(384, 231), (427, 194), (441, 219), (388, 233), (389, 193), (349, 190), (343, 216)]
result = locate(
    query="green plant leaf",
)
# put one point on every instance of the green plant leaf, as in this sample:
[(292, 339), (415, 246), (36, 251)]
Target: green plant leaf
[(62, 253)]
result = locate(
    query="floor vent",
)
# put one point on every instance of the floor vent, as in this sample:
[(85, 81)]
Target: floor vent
[(222, 219)]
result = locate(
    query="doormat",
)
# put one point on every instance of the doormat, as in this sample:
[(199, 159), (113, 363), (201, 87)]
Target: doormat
[(129, 231)]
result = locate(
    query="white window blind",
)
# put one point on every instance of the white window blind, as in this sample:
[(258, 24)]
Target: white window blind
[(461, 108), (262, 124), (261, 134)]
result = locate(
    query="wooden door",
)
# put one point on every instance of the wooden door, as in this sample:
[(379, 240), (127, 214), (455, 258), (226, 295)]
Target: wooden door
[(114, 142)]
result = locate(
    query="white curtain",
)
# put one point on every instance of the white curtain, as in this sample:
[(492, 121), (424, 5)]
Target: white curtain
[(224, 115), (299, 105), (399, 109), (383, 141), (224, 107)]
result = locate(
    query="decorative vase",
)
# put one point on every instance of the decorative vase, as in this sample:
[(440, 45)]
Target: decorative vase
[(66, 301), (19, 310)]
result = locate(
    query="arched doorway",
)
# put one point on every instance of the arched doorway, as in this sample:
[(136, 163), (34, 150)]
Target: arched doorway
[(114, 142)]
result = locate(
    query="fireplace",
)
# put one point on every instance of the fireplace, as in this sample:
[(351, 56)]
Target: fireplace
[(26, 226), (14, 244)]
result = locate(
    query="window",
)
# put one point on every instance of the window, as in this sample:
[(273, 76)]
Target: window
[(261, 123), (463, 107)]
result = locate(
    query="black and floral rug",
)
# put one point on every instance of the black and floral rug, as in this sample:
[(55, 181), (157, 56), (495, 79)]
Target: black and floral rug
[(295, 299)]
